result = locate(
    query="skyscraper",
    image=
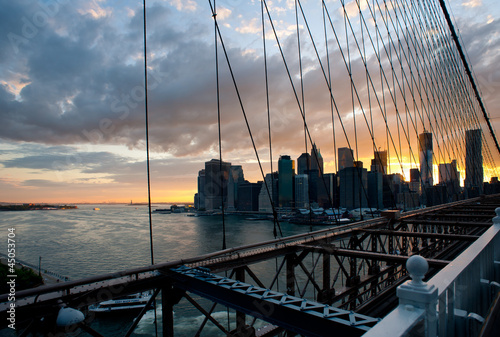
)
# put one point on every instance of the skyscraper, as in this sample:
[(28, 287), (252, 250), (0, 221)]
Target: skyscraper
[(425, 153), (286, 172), (346, 158), (235, 179), (200, 196), (316, 160), (473, 162), (271, 181), (303, 163), (301, 191), (379, 162), (216, 182), (353, 183)]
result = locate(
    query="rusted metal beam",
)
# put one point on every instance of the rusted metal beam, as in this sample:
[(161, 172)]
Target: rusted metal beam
[(457, 237), (372, 255)]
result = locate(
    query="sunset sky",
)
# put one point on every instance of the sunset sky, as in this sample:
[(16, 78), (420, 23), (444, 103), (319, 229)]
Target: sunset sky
[(72, 106)]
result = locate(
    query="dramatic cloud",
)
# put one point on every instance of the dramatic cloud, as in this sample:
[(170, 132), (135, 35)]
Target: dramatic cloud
[(72, 84)]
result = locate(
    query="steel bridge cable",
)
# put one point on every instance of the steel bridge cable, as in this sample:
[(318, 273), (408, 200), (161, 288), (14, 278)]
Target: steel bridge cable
[(146, 110), (468, 72), (226, 55), (358, 97), (221, 175), (271, 192), (334, 138), (327, 81), (295, 91)]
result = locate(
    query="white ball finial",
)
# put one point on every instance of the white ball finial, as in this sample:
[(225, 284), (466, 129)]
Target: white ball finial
[(496, 220), (417, 266)]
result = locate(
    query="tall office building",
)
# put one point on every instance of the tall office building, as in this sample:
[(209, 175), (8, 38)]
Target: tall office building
[(425, 153), (317, 160), (415, 180), (249, 196), (271, 181), (379, 162), (235, 179), (200, 196), (301, 191), (286, 172), (346, 158), (353, 183), (216, 183), (474, 175), (375, 190), (327, 191), (303, 163)]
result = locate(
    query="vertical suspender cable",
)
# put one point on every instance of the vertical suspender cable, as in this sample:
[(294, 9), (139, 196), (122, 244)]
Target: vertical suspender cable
[(147, 133), (147, 145), (221, 175), (275, 218), (468, 72)]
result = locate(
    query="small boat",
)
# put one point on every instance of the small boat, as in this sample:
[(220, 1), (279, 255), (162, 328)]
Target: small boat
[(162, 211), (134, 302), (97, 209)]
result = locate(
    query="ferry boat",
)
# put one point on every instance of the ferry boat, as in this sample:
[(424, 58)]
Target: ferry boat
[(133, 302)]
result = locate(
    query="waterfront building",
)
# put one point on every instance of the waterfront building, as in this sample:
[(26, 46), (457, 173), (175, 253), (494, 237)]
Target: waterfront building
[(375, 190), (316, 160), (216, 183), (392, 185), (303, 163), (301, 191), (199, 199), (286, 172), (450, 177), (236, 177), (249, 196), (346, 158), (474, 175), (353, 184), (425, 154), (379, 162), (327, 196), (271, 181), (415, 180)]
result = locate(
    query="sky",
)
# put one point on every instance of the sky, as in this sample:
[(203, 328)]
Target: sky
[(72, 94)]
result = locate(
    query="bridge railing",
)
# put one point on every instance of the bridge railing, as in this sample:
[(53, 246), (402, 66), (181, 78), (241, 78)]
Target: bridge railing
[(456, 301)]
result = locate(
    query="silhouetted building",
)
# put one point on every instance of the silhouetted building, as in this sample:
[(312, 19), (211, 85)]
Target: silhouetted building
[(235, 178), (415, 180), (328, 191), (316, 160), (450, 177), (249, 196), (379, 162), (286, 172), (375, 190), (353, 184), (303, 163), (271, 181), (216, 182), (346, 158), (425, 153), (473, 163), (301, 191), (199, 199)]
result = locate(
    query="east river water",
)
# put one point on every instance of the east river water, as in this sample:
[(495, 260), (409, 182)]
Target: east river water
[(84, 242)]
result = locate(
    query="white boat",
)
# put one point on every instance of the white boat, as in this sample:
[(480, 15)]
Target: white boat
[(134, 302)]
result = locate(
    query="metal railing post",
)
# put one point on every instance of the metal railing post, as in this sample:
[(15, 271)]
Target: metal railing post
[(418, 294)]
